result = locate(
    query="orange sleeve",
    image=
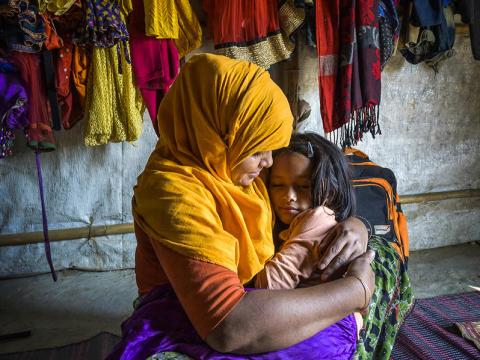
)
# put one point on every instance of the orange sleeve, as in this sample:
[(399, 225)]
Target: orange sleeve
[(207, 292)]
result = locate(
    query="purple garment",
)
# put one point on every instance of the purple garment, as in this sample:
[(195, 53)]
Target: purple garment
[(159, 324), (104, 26), (13, 111)]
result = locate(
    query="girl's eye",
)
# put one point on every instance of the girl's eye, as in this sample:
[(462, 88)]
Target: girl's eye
[(276, 185), (303, 186)]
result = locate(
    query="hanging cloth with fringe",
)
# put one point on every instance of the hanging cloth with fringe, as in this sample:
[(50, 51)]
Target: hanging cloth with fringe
[(349, 68), (259, 31)]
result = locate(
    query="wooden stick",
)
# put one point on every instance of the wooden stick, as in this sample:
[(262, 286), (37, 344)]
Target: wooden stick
[(437, 196), (66, 234)]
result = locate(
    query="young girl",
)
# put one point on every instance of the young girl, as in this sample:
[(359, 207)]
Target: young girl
[(310, 191)]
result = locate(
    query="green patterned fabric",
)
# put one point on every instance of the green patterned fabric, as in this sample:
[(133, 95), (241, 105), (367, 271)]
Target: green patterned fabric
[(390, 304), (169, 355)]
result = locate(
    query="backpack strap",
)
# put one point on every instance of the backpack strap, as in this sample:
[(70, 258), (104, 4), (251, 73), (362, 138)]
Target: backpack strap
[(353, 151)]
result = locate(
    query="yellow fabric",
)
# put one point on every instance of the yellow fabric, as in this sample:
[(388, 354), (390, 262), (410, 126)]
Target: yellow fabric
[(190, 31), (173, 19), (80, 64), (56, 7), (218, 112), (126, 7), (161, 20), (113, 108)]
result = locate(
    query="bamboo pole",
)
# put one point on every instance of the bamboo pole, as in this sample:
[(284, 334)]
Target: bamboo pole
[(66, 234), (437, 196), (118, 229)]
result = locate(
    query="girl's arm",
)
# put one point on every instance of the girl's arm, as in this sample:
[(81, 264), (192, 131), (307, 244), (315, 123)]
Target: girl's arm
[(267, 320), (299, 254)]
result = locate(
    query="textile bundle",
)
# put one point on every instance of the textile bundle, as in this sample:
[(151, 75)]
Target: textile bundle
[(160, 33), (389, 26), (13, 108), (254, 30), (349, 68), (431, 33)]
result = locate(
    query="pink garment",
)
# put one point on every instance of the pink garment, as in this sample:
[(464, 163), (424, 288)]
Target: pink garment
[(155, 62), (297, 259)]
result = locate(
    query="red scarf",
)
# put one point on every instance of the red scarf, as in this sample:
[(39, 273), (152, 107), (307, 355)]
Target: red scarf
[(349, 68)]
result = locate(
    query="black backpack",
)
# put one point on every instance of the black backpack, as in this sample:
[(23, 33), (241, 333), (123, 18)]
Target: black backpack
[(378, 203)]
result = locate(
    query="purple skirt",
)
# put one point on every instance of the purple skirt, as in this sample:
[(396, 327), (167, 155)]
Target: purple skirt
[(159, 324)]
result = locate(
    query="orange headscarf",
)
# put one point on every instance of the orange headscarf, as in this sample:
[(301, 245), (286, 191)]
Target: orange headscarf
[(218, 112)]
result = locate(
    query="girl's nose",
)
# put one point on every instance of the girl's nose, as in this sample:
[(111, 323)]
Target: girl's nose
[(291, 195)]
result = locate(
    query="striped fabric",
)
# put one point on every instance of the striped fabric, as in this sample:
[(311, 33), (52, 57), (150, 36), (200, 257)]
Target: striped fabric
[(429, 332)]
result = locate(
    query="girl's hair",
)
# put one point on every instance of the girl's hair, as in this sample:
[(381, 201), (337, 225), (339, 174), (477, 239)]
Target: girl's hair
[(330, 180)]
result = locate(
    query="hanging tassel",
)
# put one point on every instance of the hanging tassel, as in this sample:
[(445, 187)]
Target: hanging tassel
[(361, 121)]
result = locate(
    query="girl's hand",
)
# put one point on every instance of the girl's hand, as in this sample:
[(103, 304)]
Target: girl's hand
[(345, 242)]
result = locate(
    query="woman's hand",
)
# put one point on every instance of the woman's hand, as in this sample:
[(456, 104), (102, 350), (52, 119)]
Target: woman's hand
[(361, 270), (347, 241)]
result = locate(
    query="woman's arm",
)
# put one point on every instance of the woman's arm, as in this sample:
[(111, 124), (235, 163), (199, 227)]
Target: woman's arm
[(344, 243), (267, 320)]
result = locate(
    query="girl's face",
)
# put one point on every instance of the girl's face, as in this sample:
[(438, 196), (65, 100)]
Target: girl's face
[(290, 191)]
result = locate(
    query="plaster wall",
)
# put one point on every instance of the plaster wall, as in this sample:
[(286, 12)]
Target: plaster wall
[(430, 139)]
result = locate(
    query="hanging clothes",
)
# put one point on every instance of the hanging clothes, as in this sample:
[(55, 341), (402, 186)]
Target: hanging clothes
[(254, 30), (39, 130), (104, 25), (349, 68), (173, 19), (57, 7), (21, 26), (80, 65), (161, 19), (13, 107), (69, 99), (309, 24), (470, 12), (113, 106), (155, 62), (436, 33), (389, 29), (113, 109)]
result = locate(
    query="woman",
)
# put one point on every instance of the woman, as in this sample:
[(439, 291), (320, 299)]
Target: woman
[(204, 229)]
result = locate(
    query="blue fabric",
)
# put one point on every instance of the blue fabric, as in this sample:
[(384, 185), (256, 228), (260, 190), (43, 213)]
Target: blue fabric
[(427, 12)]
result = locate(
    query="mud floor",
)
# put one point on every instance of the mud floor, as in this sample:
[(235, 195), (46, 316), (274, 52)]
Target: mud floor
[(82, 304)]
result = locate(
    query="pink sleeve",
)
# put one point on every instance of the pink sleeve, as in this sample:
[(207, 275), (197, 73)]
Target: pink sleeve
[(298, 256)]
